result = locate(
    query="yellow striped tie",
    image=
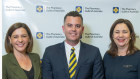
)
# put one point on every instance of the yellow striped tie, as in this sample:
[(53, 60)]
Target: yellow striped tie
[(72, 64)]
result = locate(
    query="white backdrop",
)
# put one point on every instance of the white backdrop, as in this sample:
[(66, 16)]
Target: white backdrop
[(45, 19)]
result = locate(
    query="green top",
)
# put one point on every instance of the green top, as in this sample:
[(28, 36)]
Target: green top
[(12, 70)]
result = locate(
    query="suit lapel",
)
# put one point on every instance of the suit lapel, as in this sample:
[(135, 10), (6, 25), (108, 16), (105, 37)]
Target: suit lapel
[(63, 58), (17, 70), (81, 58), (35, 66)]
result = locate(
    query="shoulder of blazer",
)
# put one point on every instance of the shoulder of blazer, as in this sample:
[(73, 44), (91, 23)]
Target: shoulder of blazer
[(88, 45), (8, 57), (56, 46), (5, 58), (8, 60)]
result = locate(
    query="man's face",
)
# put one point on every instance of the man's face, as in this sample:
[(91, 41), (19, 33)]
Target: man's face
[(73, 29)]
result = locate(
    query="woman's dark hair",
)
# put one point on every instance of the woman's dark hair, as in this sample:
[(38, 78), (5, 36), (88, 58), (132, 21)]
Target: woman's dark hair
[(113, 50), (8, 46)]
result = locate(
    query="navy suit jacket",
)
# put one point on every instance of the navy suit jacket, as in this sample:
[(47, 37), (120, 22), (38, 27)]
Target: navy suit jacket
[(54, 63)]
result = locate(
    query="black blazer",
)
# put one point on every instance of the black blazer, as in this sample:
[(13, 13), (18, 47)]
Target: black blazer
[(54, 64), (12, 70)]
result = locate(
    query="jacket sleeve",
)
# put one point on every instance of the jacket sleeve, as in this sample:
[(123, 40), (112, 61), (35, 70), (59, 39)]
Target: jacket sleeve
[(4, 71), (98, 70), (46, 66), (139, 67)]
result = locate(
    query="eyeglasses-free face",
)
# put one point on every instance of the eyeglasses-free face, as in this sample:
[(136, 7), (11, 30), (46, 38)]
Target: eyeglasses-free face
[(73, 29), (121, 35), (19, 40)]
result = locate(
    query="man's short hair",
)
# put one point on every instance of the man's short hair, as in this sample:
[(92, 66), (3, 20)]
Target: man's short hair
[(74, 14)]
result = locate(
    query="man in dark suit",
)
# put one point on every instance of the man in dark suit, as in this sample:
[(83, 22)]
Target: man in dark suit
[(72, 59)]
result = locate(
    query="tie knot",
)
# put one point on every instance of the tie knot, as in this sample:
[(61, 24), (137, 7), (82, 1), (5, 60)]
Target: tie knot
[(73, 48)]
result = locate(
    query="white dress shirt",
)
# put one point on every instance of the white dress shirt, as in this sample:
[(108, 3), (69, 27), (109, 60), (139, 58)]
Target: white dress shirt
[(68, 51)]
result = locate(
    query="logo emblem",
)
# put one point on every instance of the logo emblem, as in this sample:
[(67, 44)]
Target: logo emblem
[(115, 9), (39, 8), (39, 35), (79, 9)]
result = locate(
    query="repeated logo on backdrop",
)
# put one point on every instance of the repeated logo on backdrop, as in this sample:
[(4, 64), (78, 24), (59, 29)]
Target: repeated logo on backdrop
[(39, 35), (115, 9), (79, 9), (39, 8), (45, 18), (124, 10), (88, 9)]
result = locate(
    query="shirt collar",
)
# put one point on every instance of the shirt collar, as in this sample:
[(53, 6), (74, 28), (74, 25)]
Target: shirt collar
[(69, 46)]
